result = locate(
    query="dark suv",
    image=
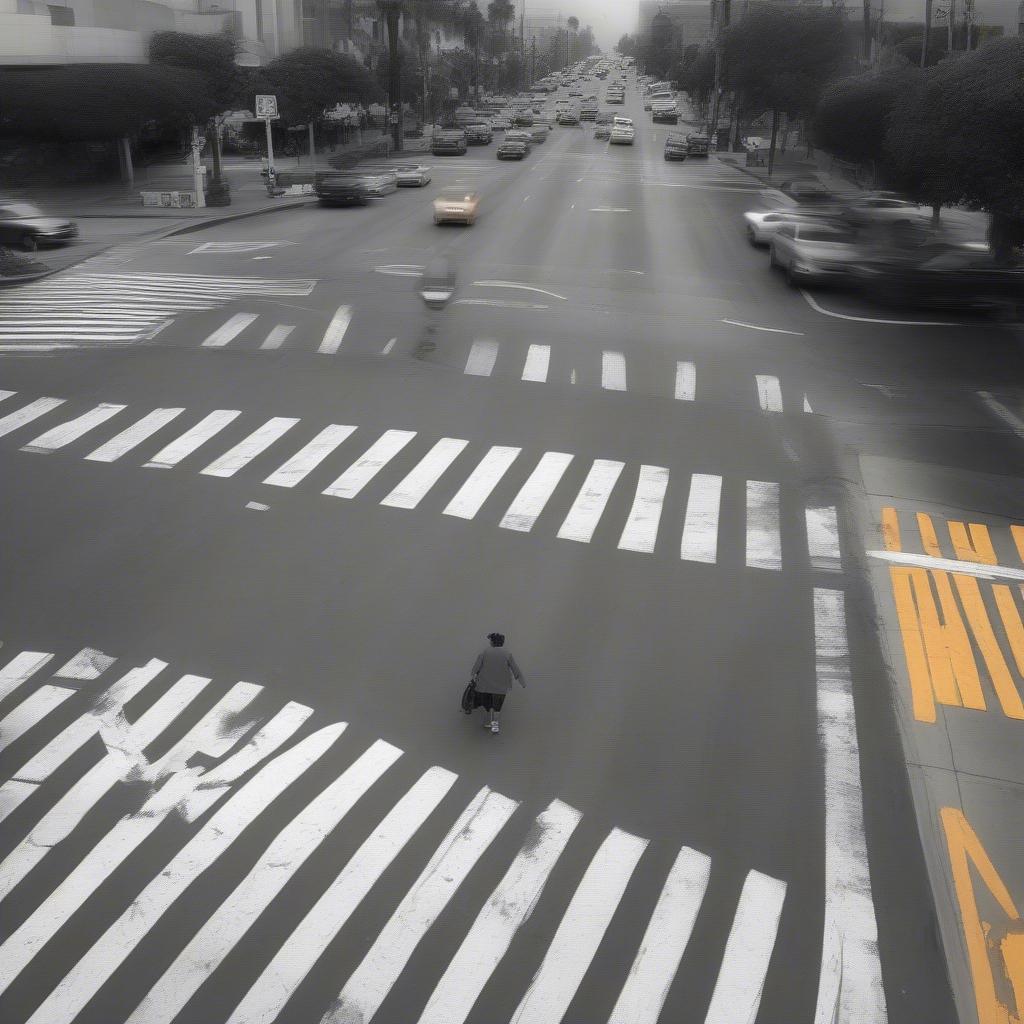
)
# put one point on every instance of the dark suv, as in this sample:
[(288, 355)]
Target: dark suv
[(448, 143), (340, 188)]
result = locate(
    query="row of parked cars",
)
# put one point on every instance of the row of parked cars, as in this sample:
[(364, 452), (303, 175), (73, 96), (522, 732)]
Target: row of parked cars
[(882, 245)]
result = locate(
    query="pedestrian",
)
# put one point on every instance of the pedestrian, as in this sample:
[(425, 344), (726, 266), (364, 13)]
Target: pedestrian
[(492, 677)]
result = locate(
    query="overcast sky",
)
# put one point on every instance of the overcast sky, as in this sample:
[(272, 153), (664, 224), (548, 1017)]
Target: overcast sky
[(609, 18)]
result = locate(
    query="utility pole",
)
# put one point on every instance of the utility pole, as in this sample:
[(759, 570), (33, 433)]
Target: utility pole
[(533, 59), (867, 31), (720, 27), (927, 32)]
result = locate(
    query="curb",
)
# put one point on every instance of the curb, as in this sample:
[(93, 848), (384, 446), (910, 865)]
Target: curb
[(11, 281)]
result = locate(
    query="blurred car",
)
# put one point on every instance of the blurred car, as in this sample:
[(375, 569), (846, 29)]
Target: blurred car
[(524, 119), (665, 113), (622, 134), (500, 124), (518, 135), (575, 91), (570, 115), (511, 149), (340, 188), (478, 134), (697, 144), (539, 134), (588, 111), (675, 147), (456, 205), (414, 175), (877, 208), (604, 117), (806, 190), (813, 253), (647, 103), (379, 181), (25, 225), (603, 131), (763, 224), (448, 143)]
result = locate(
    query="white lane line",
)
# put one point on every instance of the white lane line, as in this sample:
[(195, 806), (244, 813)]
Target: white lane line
[(88, 663), (481, 482), (31, 711), (65, 433), (700, 528), (297, 955), (20, 669), (92, 970), (756, 327), (247, 449), (307, 458), (6, 394), (608, 209), (500, 303), (230, 330), (590, 503), (192, 439), (133, 436), (370, 463), (850, 985), (401, 270), (534, 494), (613, 371), (812, 302), (100, 721), (276, 337), (985, 572), (1010, 418), (686, 381), (769, 393), (411, 491), (124, 758), (764, 544), (508, 907), (27, 413), (335, 333), (641, 530), (807, 405), (823, 538), (290, 849), (748, 950), (469, 837), (482, 356), (581, 929), (664, 941), (386, 350), (521, 287), (537, 361)]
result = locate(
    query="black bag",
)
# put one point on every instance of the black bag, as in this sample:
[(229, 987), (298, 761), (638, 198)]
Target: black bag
[(468, 697)]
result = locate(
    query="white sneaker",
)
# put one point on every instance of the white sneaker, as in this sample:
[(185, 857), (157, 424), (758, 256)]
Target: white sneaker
[(494, 727)]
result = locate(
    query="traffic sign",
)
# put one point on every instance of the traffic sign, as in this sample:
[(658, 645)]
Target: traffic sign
[(266, 106)]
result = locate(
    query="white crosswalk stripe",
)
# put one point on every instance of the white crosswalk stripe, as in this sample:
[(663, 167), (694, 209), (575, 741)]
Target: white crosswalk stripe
[(64, 434), (30, 712), (277, 336), (253, 766), (411, 491), (700, 529), (304, 461), (613, 371), (769, 393), (764, 544), (336, 330), (686, 381), (370, 463), (134, 435), (193, 438), (40, 407), (20, 669), (482, 355), (481, 482), (537, 362), (534, 494), (590, 503), (245, 451), (230, 330), (823, 538), (641, 529)]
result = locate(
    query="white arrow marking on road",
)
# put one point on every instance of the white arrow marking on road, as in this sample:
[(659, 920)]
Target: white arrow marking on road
[(513, 284), (987, 572), (755, 327)]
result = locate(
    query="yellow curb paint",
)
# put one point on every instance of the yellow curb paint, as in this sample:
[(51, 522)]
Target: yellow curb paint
[(965, 851), (891, 530), (1017, 532), (929, 538), (1011, 622), (976, 549), (921, 693)]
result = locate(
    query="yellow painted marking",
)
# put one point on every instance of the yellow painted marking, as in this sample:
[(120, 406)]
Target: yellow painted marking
[(958, 644), (891, 530), (929, 539), (1011, 622), (976, 549), (977, 615), (965, 851), (921, 694), (1017, 532)]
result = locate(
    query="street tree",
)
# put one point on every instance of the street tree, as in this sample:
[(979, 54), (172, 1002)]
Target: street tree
[(780, 60), (573, 24), (473, 28), (696, 75), (958, 137), (626, 45)]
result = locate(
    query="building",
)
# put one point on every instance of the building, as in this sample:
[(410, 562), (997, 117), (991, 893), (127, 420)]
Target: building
[(691, 19)]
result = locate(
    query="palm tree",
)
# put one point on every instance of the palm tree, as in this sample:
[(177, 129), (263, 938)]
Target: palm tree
[(473, 29), (500, 13), (574, 26)]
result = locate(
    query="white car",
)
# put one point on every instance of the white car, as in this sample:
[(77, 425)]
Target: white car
[(763, 224), (415, 175), (622, 134)]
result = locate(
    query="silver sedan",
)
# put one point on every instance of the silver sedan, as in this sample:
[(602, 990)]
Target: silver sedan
[(412, 175)]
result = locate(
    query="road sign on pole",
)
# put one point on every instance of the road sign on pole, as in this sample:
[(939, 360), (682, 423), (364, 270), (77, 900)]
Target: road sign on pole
[(266, 106)]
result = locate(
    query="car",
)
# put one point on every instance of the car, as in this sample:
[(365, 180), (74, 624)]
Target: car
[(379, 181), (456, 205), (500, 124), (414, 175), (539, 134), (448, 143), (604, 117), (603, 131), (588, 112), (511, 149), (523, 119), (478, 134), (806, 190), (576, 92), (569, 116), (340, 188), (675, 147), (697, 144), (813, 253), (665, 114), (763, 224), (561, 104), (519, 135), (622, 135), (881, 208), (25, 225)]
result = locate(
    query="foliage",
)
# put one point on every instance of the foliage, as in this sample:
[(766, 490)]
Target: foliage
[(696, 73), (409, 72), (212, 57), (627, 45)]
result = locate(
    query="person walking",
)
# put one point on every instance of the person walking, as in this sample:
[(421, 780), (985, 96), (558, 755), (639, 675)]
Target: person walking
[(492, 677)]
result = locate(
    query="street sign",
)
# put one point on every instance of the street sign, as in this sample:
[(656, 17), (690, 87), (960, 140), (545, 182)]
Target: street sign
[(266, 106)]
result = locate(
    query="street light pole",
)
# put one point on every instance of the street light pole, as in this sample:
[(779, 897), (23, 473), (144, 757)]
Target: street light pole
[(392, 10)]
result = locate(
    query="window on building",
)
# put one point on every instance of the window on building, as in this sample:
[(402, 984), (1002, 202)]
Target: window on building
[(61, 15), (259, 20)]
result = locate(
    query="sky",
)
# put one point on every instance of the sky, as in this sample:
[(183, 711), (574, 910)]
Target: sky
[(609, 18)]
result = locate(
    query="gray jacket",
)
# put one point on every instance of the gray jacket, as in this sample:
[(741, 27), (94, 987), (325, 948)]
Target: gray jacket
[(494, 669)]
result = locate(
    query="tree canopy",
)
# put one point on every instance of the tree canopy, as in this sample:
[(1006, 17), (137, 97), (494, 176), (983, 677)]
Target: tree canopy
[(211, 57), (626, 45)]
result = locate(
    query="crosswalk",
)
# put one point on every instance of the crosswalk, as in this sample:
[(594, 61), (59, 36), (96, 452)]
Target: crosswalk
[(219, 782), (86, 307), (574, 498)]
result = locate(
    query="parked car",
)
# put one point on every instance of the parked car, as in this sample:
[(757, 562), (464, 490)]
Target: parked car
[(570, 115), (881, 208), (539, 134), (340, 188), (697, 144), (813, 253), (448, 143), (675, 147), (588, 112), (478, 134), (665, 114), (622, 134), (602, 131), (456, 205), (500, 124), (25, 225), (524, 119), (415, 175), (511, 149), (519, 135)]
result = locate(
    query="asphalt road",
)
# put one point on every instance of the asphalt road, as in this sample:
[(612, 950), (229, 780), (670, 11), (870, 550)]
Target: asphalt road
[(674, 785)]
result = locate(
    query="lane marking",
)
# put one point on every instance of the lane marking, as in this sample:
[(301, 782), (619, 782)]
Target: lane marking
[(581, 522), (277, 336), (757, 327), (764, 544), (247, 449), (482, 356), (807, 405), (823, 538), (686, 382), (481, 482), (370, 463), (31, 711), (335, 333), (769, 393), (401, 270), (952, 565), (613, 371), (1009, 417), (513, 284), (850, 983), (537, 362), (192, 439), (26, 414), (535, 492), (812, 302), (499, 303), (581, 929), (700, 528), (386, 350), (641, 530), (307, 458), (65, 433), (20, 669), (748, 950), (411, 491), (134, 435), (608, 209), (230, 330)]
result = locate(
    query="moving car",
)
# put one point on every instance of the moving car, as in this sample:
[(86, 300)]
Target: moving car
[(588, 112), (378, 180), (675, 147), (415, 175), (881, 208), (456, 205), (622, 134), (570, 115), (665, 113), (523, 119), (806, 190), (602, 131), (478, 134), (813, 253), (448, 143), (511, 149), (518, 135), (340, 188), (697, 144), (762, 225), (27, 226), (539, 134), (501, 124)]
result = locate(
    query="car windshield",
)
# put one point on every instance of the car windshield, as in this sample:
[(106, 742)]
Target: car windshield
[(20, 210)]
